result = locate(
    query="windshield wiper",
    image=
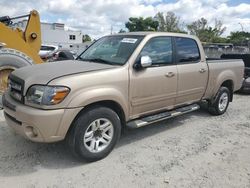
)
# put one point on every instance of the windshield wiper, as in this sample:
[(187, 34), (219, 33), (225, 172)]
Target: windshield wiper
[(98, 60)]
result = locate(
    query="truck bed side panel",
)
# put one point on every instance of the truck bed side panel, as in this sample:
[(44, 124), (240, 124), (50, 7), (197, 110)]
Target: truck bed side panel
[(221, 71)]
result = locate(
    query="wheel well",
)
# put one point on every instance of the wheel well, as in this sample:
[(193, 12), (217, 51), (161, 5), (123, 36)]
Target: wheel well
[(112, 105), (109, 104), (229, 84)]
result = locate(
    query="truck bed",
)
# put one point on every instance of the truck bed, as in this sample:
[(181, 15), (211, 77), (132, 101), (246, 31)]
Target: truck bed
[(220, 69)]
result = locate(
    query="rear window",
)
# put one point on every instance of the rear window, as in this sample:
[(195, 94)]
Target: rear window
[(187, 50), (48, 48)]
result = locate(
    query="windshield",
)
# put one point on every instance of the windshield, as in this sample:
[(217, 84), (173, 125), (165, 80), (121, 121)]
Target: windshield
[(113, 50)]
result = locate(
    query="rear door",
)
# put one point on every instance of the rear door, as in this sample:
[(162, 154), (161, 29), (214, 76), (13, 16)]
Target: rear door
[(154, 88), (192, 72)]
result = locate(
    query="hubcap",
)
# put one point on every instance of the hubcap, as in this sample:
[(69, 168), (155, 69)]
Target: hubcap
[(98, 135), (223, 101)]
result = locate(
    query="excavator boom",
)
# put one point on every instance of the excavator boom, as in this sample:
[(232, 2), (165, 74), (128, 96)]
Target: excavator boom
[(28, 41)]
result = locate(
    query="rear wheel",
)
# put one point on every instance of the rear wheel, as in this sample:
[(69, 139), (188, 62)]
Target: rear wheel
[(219, 106), (94, 133)]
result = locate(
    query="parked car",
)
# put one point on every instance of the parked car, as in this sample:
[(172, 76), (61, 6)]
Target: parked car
[(46, 51), (131, 79), (246, 59), (62, 55)]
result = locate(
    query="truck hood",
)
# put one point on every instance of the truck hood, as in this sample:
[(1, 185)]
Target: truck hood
[(44, 73)]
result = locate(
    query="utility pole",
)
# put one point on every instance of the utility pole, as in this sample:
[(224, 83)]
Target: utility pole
[(111, 30), (242, 29)]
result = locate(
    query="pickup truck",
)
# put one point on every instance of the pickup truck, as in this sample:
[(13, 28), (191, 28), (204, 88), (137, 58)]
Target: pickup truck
[(122, 80)]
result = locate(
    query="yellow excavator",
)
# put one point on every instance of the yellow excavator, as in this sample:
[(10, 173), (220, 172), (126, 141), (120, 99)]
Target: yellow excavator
[(18, 47)]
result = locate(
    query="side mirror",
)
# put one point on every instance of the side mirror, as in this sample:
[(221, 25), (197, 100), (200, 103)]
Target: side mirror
[(146, 61)]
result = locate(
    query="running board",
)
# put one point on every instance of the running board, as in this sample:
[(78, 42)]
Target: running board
[(162, 116)]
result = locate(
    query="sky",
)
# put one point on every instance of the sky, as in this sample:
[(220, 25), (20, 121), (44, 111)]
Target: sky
[(97, 17)]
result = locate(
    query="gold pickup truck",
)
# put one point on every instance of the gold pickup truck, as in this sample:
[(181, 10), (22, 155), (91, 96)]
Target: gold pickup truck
[(131, 79)]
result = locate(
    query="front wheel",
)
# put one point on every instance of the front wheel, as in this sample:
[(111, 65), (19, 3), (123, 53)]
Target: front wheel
[(219, 106), (11, 59), (95, 133)]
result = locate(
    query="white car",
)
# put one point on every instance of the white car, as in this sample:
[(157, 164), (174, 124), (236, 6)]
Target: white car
[(47, 50)]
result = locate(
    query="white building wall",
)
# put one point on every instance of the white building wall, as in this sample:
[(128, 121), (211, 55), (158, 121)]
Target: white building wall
[(55, 34), (61, 37)]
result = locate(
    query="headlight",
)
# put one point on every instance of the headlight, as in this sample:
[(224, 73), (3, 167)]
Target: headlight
[(46, 95)]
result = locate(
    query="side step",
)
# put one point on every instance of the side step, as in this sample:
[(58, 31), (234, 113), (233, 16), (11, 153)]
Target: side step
[(162, 116)]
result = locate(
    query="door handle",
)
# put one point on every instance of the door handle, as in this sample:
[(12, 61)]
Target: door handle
[(169, 74), (202, 70)]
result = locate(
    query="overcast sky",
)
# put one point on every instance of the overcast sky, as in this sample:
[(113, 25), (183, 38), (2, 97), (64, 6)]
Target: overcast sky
[(96, 17)]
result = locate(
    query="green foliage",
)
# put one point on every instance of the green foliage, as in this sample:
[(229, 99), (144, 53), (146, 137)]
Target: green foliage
[(239, 38), (206, 33), (141, 24), (86, 38), (169, 23), (220, 40), (122, 31)]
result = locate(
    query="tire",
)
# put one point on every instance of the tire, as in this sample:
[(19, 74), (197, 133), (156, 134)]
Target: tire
[(14, 58), (220, 104), (90, 141), (11, 59)]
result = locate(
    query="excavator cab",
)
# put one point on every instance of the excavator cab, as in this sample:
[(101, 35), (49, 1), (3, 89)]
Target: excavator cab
[(18, 47)]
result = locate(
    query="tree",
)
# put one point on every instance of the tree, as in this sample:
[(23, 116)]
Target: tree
[(122, 31), (86, 38), (240, 38), (141, 24), (206, 33), (169, 23)]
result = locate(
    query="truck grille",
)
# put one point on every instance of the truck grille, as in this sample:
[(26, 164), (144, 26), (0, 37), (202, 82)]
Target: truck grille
[(16, 86)]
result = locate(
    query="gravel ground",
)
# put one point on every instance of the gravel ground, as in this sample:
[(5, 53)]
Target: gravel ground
[(194, 150)]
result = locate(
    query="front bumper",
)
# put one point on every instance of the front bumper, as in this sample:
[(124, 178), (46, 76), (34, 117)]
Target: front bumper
[(36, 124)]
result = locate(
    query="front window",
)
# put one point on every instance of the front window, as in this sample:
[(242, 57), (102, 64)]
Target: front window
[(47, 48), (159, 49), (114, 50)]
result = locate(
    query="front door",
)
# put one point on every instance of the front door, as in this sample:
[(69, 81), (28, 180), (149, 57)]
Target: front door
[(154, 88)]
